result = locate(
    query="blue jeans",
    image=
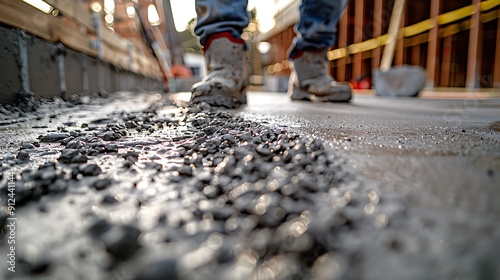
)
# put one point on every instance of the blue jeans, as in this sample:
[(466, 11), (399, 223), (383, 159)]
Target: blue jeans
[(316, 29)]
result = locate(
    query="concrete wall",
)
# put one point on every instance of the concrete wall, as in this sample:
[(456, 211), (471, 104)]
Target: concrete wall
[(74, 73), (10, 82), (42, 67), (30, 64)]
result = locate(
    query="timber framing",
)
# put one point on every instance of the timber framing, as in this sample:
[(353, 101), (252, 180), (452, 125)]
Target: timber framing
[(436, 35), (75, 29)]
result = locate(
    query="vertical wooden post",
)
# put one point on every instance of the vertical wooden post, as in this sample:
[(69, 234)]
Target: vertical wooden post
[(289, 34), (446, 66), (475, 48), (400, 49), (432, 51), (358, 36), (496, 69), (343, 25), (396, 16), (415, 55), (377, 31)]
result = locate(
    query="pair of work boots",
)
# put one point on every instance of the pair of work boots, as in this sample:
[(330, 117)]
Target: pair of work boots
[(226, 82)]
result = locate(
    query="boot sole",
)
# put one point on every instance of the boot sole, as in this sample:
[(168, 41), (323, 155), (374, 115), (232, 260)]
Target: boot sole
[(221, 101), (299, 94)]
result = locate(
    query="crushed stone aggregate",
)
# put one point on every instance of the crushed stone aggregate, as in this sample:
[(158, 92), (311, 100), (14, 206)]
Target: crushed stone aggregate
[(202, 193)]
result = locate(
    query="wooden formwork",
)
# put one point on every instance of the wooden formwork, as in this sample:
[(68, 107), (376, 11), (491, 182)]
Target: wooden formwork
[(74, 27), (429, 42), (72, 51)]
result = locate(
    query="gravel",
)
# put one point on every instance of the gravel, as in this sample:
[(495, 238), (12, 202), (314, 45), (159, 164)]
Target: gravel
[(202, 193)]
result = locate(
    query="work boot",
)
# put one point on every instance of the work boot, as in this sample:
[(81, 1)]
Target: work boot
[(227, 80), (310, 80)]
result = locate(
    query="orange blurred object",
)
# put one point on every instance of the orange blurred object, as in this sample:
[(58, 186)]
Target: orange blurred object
[(363, 82), (181, 71)]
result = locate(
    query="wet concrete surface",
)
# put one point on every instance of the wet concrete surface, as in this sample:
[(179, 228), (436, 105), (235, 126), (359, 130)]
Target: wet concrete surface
[(134, 187), (407, 144)]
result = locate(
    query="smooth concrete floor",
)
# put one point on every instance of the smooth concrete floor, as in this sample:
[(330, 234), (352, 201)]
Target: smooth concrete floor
[(443, 153)]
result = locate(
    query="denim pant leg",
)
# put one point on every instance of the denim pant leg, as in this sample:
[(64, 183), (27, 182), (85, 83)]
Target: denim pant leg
[(216, 16), (317, 26)]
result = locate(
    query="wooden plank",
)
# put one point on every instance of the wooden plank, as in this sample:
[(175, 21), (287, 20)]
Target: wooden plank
[(337, 54), (446, 67), (400, 48), (366, 55), (489, 16), (163, 64), (414, 34), (364, 46), (111, 57), (74, 10), (454, 28), (456, 14), (74, 40), (432, 49), (377, 31), (475, 48), (114, 40), (487, 5), (419, 27), (496, 69), (343, 25), (20, 15), (415, 55), (23, 16), (416, 40), (396, 16), (358, 36), (450, 17)]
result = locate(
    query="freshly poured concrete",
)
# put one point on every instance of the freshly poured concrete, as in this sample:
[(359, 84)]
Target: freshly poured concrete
[(374, 189), (444, 153)]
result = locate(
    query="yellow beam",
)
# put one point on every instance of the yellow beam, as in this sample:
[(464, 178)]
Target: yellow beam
[(418, 28), (455, 15), (422, 27), (488, 5)]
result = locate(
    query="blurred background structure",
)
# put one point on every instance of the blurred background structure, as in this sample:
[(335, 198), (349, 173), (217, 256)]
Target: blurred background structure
[(60, 48), (66, 48), (457, 42)]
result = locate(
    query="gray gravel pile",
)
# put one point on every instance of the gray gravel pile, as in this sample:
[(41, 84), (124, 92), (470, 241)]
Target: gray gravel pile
[(199, 193)]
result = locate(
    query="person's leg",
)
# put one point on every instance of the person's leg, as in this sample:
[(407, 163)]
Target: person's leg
[(219, 27), (316, 33), (218, 16), (317, 26)]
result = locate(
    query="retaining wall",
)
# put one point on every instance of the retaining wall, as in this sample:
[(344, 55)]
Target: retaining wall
[(31, 64)]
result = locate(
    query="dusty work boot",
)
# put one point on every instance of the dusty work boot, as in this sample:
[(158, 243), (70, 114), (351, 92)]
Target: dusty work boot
[(227, 80), (310, 80)]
